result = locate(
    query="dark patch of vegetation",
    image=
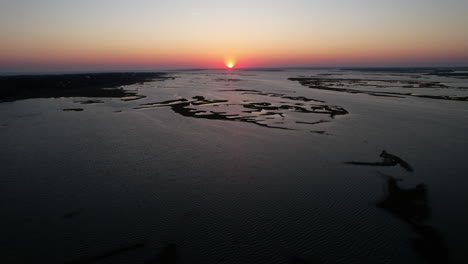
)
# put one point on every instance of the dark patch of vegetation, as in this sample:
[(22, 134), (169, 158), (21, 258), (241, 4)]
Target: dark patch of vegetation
[(227, 80), (72, 85), (412, 206), (387, 160), (312, 123), (320, 132), (187, 108), (73, 109), (91, 102), (270, 94), (338, 85)]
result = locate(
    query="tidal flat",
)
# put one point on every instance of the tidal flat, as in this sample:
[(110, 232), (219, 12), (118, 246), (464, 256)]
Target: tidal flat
[(239, 166)]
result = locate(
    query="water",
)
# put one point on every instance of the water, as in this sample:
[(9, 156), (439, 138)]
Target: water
[(240, 167)]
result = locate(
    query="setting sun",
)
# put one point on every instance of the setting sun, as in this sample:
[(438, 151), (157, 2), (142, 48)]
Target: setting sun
[(230, 62)]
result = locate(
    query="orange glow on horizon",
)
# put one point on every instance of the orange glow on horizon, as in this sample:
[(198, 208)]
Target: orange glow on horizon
[(132, 57)]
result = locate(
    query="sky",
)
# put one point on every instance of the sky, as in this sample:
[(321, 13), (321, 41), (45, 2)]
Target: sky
[(68, 35)]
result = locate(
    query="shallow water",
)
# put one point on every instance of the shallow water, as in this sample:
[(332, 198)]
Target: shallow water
[(240, 167)]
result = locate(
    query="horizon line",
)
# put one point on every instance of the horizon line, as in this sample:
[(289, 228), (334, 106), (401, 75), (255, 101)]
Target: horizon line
[(235, 69)]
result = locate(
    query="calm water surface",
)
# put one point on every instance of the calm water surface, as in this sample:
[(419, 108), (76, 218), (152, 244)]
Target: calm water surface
[(241, 167)]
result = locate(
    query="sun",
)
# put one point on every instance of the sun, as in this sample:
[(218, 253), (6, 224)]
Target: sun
[(230, 63)]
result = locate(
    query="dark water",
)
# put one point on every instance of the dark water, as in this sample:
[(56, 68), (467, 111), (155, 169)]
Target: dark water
[(241, 167)]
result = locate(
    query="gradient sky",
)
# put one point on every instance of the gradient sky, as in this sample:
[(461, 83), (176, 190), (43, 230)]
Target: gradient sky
[(42, 35)]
